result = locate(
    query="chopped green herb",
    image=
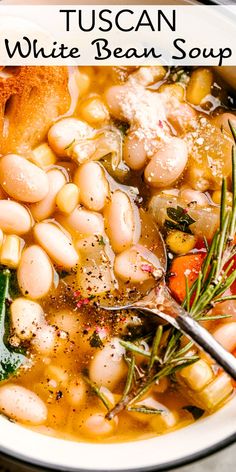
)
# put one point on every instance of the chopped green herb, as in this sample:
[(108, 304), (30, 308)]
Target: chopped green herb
[(63, 274), (10, 361), (101, 241), (181, 220), (122, 127), (95, 340), (195, 411), (144, 409)]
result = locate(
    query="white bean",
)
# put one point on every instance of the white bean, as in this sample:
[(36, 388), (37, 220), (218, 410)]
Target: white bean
[(26, 317), (225, 334), (22, 405), (160, 422), (120, 221), (14, 218), (76, 392), (83, 222), (108, 367), (167, 164), (23, 180), (189, 195), (45, 339), (135, 154), (181, 116), (35, 272), (114, 97), (46, 207), (128, 267), (57, 244), (97, 425), (92, 183), (64, 134)]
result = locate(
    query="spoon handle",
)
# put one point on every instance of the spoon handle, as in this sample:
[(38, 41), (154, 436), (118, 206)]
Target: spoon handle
[(205, 341)]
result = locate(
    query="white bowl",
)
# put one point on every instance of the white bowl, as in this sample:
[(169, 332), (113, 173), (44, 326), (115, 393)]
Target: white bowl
[(160, 453)]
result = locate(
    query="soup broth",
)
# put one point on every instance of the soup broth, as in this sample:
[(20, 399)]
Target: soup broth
[(98, 166)]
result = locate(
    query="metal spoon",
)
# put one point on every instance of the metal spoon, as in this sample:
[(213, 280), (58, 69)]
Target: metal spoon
[(160, 303)]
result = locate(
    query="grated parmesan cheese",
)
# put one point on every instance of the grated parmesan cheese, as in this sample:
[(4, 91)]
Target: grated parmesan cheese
[(146, 111)]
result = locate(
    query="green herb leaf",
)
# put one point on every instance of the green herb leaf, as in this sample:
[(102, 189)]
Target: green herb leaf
[(122, 127), (195, 411), (10, 361), (95, 340), (63, 273), (144, 409), (181, 220), (101, 241)]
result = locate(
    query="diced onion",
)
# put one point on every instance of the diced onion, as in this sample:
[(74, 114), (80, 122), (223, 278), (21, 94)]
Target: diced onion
[(106, 141)]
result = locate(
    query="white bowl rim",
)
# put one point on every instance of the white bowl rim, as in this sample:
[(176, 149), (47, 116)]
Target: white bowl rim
[(49, 453), (205, 453)]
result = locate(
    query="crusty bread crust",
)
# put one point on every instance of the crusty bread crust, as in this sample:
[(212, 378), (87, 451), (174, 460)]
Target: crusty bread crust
[(31, 98)]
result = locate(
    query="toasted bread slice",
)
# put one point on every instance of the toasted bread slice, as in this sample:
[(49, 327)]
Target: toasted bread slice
[(31, 98)]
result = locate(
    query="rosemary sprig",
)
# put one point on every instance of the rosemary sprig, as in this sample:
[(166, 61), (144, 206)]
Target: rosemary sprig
[(160, 368), (164, 372)]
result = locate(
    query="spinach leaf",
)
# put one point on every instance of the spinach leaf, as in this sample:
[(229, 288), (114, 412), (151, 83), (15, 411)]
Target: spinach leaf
[(10, 361), (195, 411), (181, 220)]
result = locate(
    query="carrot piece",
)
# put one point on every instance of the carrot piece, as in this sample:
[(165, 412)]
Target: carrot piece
[(182, 267)]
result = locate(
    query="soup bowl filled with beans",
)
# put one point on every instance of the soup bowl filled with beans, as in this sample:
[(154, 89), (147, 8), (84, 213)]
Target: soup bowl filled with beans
[(106, 174)]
